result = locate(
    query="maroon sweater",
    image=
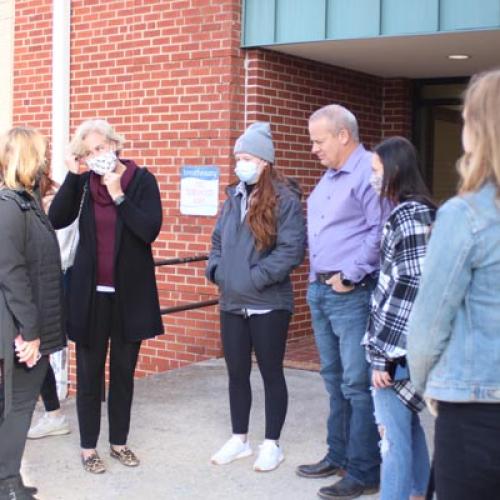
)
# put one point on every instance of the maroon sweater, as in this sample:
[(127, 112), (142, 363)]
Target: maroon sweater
[(105, 215)]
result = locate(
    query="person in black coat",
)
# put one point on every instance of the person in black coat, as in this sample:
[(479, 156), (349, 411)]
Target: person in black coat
[(31, 321), (112, 294)]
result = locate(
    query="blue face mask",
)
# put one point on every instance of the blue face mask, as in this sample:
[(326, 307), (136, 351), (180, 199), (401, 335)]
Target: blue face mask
[(247, 171)]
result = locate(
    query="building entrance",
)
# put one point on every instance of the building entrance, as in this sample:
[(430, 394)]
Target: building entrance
[(437, 133)]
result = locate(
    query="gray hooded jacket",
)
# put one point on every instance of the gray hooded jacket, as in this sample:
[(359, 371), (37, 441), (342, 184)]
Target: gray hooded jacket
[(252, 279)]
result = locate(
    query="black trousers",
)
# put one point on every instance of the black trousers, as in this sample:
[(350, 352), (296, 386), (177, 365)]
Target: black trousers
[(467, 451), (26, 383), (90, 363), (266, 334), (49, 391)]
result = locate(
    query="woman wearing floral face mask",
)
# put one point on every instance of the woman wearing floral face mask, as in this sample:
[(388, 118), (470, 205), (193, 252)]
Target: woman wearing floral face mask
[(257, 241), (112, 294)]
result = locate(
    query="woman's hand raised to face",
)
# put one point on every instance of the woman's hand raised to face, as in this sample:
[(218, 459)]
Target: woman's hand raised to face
[(72, 163), (112, 181)]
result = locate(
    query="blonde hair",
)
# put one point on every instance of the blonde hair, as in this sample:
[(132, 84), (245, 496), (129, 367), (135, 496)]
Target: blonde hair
[(339, 118), (102, 127), (22, 158), (481, 108)]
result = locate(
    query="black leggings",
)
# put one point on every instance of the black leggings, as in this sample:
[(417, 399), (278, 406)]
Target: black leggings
[(467, 452), (49, 391), (266, 334), (26, 385)]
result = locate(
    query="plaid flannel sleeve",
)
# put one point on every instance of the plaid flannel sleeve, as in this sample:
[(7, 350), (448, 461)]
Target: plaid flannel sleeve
[(377, 360), (406, 271)]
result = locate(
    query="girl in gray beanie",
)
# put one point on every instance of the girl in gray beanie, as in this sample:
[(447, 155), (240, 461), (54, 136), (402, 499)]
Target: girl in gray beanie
[(257, 241)]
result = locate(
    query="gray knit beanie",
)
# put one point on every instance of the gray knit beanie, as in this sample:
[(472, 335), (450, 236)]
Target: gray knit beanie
[(257, 141)]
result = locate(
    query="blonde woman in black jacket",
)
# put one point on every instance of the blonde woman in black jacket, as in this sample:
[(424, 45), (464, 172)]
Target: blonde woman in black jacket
[(30, 298)]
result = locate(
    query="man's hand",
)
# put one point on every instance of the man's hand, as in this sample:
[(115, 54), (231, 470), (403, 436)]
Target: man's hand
[(337, 285), (381, 380)]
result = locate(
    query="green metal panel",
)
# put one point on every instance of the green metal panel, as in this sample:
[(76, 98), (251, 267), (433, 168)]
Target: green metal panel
[(268, 22), (259, 22), (469, 14), (353, 18), (401, 17), (300, 20)]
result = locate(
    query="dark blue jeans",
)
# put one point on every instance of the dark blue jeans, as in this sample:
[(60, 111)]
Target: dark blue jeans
[(339, 321)]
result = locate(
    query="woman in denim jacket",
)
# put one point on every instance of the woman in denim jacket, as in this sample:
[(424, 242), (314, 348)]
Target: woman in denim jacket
[(454, 330)]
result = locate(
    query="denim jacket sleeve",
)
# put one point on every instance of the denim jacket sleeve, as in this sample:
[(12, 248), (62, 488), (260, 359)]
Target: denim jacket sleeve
[(446, 276)]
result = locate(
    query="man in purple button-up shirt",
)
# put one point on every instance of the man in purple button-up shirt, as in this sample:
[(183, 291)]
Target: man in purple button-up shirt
[(345, 218)]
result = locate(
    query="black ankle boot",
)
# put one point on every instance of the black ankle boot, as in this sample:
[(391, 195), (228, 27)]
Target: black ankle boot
[(30, 489), (13, 489)]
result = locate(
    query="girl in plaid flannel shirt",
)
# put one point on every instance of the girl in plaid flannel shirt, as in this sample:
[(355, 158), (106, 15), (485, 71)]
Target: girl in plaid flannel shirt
[(405, 459)]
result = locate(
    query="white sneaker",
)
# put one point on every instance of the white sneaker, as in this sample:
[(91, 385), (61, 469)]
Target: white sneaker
[(49, 425), (270, 456), (232, 450)]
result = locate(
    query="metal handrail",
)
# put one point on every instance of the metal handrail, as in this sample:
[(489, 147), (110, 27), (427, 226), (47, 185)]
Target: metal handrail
[(187, 307), (180, 260), (184, 307)]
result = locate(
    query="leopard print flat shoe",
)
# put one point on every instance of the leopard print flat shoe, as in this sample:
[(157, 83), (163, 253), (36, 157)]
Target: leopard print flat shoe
[(126, 456), (94, 464)]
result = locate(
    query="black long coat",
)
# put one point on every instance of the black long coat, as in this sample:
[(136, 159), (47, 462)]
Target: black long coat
[(138, 224)]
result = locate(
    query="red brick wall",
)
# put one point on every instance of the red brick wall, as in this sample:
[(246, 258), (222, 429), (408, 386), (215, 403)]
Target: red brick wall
[(166, 75), (32, 85), (397, 112), (169, 75)]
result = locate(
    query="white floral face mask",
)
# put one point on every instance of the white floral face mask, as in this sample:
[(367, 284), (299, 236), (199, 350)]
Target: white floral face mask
[(103, 163)]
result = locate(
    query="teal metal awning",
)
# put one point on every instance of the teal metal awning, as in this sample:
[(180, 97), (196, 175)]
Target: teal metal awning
[(359, 31)]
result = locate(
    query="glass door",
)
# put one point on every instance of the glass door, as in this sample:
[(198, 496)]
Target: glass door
[(437, 133)]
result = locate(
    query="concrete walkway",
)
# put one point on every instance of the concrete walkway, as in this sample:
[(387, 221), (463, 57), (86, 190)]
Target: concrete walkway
[(179, 419)]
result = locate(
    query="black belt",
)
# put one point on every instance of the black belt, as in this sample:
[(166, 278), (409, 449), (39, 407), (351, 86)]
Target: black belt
[(324, 277)]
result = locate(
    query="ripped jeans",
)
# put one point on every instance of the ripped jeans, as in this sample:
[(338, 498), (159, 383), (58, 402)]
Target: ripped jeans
[(405, 458)]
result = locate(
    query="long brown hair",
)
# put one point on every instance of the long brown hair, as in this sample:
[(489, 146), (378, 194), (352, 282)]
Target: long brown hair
[(481, 107), (262, 210)]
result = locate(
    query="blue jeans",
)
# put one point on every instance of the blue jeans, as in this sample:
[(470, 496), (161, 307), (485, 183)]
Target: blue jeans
[(405, 458), (339, 322)]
